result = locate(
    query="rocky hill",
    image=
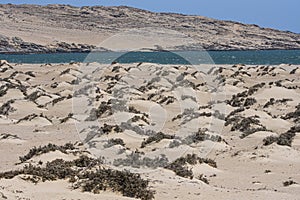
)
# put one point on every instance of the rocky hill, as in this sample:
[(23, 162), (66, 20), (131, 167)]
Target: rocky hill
[(64, 28)]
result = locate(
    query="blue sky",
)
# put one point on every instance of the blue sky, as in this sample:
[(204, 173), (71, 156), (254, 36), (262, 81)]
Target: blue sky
[(279, 14)]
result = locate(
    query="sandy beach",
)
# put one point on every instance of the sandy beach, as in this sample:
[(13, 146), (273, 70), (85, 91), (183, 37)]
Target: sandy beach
[(189, 132)]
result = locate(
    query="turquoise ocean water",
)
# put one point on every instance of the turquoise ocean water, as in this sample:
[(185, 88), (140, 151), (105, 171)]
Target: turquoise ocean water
[(268, 57)]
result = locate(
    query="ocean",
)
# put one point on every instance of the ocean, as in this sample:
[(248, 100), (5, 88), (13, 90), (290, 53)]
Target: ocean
[(262, 57)]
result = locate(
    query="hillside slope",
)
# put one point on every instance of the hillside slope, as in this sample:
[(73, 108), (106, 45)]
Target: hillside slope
[(54, 28)]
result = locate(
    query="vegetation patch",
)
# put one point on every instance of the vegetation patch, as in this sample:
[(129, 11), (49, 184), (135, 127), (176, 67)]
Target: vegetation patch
[(156, 138), (285, 139), (273, 102), (35, 151), (6, 108), (201, 136), (113, 142), (88, 175), (135, 160), (247, 125), (179, 166), (293, 115), (4, 136), (104, 108), (288, 183)]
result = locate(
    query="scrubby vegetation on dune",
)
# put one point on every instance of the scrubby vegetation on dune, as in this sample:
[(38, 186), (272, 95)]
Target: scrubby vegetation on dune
[(113, 142), (97, 113), (179, 166), (247, 125), (201, 136), (288, 183), (156, 138), (285, 139), (4, 136), (87, 174), (243, 99), (293, 115), (190, 114), (136, 160), (272, 101), (35, 151), (6, 108)]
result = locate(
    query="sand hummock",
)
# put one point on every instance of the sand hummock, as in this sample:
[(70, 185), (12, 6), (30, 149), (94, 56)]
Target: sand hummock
[(194, 132)]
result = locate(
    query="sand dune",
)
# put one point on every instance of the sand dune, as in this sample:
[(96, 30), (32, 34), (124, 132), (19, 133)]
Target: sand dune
[(228, 132)]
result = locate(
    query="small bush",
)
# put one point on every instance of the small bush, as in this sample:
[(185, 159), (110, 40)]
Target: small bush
[(174, 143), (203, 179), (113, 142), (101, 110), (156, 138), (35, 151), (288, 183), (135, 160), (88, 174), (201, 136), (270, 140), (180, 168)]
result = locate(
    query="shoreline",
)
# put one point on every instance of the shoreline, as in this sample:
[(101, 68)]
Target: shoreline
[(153, 51)]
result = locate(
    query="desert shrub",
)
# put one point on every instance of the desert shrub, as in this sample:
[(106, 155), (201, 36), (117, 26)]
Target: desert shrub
[(113, 142), (33, 116), (137, 118), (293, 115), (167, 100), (272, 102), (82, 91), (270, 140), (293, 71), (201, 136), (34, 96), (45, 149), (288, 183), (247, 125), (109, 128), (135, 160), (96, 131), (4, 136), (180, 168), (203, 179), (6, 108), (64, 120), (250, 102), (184, 97), (3, 90), (88, 174), (104, 107), (59, 99), (240, 99), (130, 126), (227, 119), (156, 138), (267, 171), (219, 115), (174, 143), (132, 109), (284, 139), (190, 114), (30, 73)]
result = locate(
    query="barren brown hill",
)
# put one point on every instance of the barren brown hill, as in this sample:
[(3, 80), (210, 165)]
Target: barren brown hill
[(64, 28)]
